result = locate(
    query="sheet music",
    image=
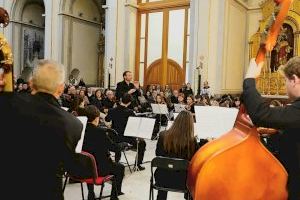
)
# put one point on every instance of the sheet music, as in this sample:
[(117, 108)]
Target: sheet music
[(146, 128), (155, 108), (160, 109), (179, 107), (140, 127), (175, 115), (132, 127), (214, 121), (170, 123), (83, 120), (65, 108)]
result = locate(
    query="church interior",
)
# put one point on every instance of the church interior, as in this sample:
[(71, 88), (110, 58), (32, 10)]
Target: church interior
[(189, 52)]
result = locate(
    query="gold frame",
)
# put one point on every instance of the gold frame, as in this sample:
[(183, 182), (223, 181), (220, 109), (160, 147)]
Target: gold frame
[(273, 83)]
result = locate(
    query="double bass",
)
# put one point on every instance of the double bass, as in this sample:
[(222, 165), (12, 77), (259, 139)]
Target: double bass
[(237, 166)]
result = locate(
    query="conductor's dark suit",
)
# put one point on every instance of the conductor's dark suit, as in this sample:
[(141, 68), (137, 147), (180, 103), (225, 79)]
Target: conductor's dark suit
[(40, 147), (285, 118)]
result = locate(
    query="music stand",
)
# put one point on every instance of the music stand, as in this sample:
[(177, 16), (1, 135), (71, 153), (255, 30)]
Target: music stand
[(160, 109), (140, 128)]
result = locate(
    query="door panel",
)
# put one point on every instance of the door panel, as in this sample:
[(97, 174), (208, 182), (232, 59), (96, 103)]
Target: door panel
[(175, 75), (162, 44)]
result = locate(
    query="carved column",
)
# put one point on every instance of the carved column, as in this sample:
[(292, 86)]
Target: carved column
[(297, 43), (101, 60)]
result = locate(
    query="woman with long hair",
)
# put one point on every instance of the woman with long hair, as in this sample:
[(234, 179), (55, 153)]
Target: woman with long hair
[(177, 142), (190, 104)]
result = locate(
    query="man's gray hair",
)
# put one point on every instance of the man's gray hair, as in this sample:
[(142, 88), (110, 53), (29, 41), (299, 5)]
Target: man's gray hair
[(47, 76)]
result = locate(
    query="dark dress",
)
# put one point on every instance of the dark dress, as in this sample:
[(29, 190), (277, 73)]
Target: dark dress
[(285, 118), (166, 178)]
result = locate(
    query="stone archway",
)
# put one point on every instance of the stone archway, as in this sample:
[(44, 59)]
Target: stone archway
[(28, 35), (83, 39)]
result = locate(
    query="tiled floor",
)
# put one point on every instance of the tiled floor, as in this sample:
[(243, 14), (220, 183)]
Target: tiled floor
[(135, 185)]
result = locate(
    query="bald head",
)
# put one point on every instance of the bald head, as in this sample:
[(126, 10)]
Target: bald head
[(49, 77)]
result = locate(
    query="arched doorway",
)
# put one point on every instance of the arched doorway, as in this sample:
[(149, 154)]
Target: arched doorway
[(28, 27), (174, 77), (162, 43)]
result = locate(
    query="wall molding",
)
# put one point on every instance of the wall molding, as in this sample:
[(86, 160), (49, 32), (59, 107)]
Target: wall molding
[(248, 8), (78, 18), (142, 7)]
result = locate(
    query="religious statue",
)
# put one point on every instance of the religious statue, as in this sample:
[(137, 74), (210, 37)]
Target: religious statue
[(282, 50)]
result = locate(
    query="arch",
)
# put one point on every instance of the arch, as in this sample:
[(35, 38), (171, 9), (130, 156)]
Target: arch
[(32, 11), (67, 6), (18, 7), (293, 23), (175, 74), (88, 10), (28, 33)]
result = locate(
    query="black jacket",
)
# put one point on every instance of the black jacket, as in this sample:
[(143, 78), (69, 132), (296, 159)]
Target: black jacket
[(285, 118), (97, 143), (119, 117), (40, 146), (123, 87)]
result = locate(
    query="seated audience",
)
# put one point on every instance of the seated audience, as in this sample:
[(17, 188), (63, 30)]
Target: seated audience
[(188, 90), (205, 91), (77, 106), (97, 100), (181, 98), (190, 104), (174, 97), (109, 101), (85, 98)]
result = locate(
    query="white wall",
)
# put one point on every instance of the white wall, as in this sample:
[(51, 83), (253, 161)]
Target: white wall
[(120, 35), (234, 48), (220, 31), (80, 35)]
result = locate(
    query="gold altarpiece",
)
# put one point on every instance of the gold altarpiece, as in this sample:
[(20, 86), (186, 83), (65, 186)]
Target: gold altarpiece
[(271, 82)]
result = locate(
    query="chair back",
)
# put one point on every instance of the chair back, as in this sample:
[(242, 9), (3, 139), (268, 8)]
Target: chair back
[(174, 164), (90, 167)]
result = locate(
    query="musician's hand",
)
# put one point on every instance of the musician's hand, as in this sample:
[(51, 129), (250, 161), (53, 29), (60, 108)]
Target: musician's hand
[(131, 91), (254, 70)]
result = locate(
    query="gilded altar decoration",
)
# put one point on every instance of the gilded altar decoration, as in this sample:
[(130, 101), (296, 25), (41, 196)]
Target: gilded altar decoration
[(6, 60), (271, 82)]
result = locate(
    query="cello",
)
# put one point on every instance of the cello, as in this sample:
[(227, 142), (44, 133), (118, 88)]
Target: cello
[(237, 166)]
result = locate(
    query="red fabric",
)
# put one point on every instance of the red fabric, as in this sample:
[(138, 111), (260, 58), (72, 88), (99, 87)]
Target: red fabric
[(98, 181)]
